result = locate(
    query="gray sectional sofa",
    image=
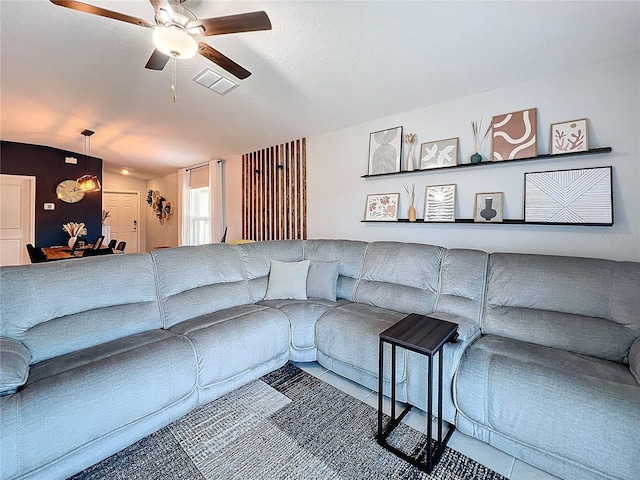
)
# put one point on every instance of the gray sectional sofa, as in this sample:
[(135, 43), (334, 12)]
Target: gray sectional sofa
[(98, 353)]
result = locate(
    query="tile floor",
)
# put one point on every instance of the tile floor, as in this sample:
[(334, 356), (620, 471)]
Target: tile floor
[(489, 456)]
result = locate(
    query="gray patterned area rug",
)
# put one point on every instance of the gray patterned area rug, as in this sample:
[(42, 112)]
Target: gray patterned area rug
[(287, 425)]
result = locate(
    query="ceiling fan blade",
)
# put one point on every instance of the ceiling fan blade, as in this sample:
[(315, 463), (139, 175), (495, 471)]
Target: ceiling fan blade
[(219, 59), (157, 61), (160, 4), (243, 22), (103, 12)]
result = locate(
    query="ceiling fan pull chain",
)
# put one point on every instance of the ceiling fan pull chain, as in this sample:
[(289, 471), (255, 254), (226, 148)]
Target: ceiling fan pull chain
[(174, 79)]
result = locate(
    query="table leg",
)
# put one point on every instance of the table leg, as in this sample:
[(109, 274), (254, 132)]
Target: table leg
[(429, 412), (393, 383), (380, 387)]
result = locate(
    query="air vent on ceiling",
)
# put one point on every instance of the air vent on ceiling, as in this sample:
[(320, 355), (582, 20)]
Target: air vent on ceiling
[(214, 81)]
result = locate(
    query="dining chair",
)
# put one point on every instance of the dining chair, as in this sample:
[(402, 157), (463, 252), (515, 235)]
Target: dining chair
[(94, 253), (112, 243), (98, 243), (121, 246), (36, 255)]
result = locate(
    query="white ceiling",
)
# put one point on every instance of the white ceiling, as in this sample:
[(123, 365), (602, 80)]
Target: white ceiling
[(324, 66)]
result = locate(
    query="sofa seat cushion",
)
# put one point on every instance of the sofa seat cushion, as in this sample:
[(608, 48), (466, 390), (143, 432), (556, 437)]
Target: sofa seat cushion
[(350, 334), (302, 316), (552, 400), (232, 341), (83, 397)]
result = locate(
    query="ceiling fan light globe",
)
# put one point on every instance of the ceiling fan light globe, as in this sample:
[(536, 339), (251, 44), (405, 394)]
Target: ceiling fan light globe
[(174, 42)]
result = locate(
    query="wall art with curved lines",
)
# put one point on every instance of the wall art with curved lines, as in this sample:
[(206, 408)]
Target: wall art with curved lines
[(515, 135), (385, 151)]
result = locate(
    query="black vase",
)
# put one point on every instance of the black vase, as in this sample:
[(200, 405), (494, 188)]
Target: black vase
[(488, 212)]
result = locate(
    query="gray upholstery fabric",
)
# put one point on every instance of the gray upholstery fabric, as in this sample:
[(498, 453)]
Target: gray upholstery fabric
[(216, 281), (302, 317), (349, 334), (417, 364), (322, 280), (14, 367), (94, 298), (79, 398), (525, 391), (349, 253), (581, 305), (634, 359), (400, 276), (256, 259), (463, 283), (232, 341)]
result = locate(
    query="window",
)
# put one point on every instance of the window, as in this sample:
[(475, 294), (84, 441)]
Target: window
[(199, 216)]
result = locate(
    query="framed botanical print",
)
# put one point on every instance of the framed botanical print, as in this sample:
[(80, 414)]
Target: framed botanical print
[(382, 207), (515, 135), (488, 207), (385, 151), (566, 137), (440, 203)]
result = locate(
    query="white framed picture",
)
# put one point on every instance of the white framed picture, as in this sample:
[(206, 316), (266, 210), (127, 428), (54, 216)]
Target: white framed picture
[(488, 207), (440, 203), (385, 151), (382, 207), (566, 137)]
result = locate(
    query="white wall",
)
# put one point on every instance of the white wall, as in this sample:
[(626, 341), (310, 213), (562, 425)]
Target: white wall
[(606, 92), (165, 234)]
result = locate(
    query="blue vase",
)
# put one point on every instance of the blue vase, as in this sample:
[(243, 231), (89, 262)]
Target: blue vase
[(476, 158)]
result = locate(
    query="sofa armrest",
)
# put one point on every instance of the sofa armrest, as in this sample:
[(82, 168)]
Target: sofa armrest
[(468, 330), (634, 359), (14, 368)]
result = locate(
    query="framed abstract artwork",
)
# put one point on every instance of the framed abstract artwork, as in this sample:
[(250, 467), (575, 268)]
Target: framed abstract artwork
[(382, 207), (579, 196), (441, 153), (515, 135), (568, 137), (488, 207), (440, 203), (385, 151)]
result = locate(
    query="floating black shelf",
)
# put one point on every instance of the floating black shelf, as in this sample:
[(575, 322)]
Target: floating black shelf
[(544, 156), (506, 221)]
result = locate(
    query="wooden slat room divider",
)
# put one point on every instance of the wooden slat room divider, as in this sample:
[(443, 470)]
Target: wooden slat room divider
[(274, 201)]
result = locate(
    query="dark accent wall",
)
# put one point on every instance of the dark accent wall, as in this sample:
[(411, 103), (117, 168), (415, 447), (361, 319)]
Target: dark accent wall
[(48, 166)]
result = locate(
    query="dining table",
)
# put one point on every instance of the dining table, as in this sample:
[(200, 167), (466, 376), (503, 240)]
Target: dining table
[(63, 253)]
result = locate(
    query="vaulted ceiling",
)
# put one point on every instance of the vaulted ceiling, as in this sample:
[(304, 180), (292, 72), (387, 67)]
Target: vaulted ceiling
[(324, 65)]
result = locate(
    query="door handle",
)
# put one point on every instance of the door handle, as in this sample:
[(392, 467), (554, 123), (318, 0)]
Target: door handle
[(135, 225)]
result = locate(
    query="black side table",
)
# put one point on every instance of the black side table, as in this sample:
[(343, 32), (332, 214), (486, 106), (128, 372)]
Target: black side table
[(425, 335)]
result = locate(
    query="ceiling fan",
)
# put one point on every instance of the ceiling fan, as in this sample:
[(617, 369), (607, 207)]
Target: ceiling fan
[(175, 28)]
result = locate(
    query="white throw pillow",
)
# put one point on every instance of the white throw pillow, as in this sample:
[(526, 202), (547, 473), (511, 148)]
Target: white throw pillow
[(287, 280)]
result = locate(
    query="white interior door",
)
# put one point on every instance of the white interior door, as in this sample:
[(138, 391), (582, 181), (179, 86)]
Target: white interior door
[(124, 214), (17, 218)]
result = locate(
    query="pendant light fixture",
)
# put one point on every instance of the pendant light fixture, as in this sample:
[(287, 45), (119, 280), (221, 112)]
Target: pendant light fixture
[(88, 182)]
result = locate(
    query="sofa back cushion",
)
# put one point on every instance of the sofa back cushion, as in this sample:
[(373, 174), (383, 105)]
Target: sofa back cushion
[(463, 280), (60, 307), (349, 253), (194, 281), (256, 260), (400, 276), (582, 305)]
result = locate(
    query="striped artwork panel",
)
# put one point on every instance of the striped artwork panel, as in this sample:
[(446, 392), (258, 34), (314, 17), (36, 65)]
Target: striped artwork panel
[(274, 192), (581, 196)]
